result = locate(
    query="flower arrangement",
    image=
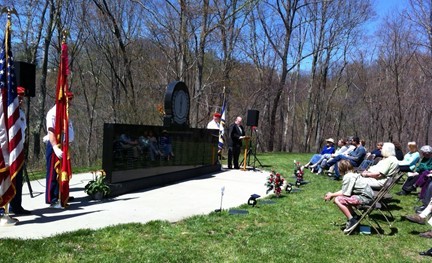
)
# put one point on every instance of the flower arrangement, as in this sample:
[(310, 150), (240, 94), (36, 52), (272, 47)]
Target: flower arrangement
[(97, 186), (274, 182), (298, 171)]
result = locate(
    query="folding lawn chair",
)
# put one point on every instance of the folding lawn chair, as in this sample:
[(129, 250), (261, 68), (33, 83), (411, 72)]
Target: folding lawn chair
[(377, 204), (376, 160), (365, 164), (415, 168)]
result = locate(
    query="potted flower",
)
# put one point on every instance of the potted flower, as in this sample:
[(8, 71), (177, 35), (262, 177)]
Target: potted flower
[(97, 188)]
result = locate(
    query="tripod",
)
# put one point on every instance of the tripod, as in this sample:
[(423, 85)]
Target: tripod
[(254, 148), (25, 172), (27, 179)]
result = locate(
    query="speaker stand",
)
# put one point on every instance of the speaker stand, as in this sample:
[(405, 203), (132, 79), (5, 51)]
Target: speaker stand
[(26, 178), (254, 150), (26, 144)]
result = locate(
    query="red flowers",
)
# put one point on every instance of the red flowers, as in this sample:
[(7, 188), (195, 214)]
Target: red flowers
[(274, 182)]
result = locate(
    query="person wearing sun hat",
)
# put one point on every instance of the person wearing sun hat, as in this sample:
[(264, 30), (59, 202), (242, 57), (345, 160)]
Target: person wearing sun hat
[(317, 158), (355, 157), (215, 122)]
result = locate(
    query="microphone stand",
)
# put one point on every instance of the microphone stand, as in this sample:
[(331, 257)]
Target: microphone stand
[(25, 173)]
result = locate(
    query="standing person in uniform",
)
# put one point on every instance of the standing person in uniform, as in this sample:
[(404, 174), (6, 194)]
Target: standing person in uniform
[(215, 123), (53, 147), (236, 133), (15, 204)]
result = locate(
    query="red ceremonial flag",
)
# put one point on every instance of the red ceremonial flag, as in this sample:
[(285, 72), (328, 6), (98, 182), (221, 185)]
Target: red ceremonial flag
[(63, 166), (11, 140)]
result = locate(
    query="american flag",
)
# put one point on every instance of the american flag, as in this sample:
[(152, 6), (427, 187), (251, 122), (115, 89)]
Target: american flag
[(11, 140), (222, 123)]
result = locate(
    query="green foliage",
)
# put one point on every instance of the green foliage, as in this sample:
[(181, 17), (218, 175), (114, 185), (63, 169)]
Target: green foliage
[(298, 227), (97, 185)]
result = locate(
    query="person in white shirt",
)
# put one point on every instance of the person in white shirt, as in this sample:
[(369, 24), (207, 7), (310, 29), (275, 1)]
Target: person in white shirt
[(53, 147), (215, 123), (377, 175)]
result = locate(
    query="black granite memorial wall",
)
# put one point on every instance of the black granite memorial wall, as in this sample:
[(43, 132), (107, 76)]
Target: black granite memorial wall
[(142, 156)]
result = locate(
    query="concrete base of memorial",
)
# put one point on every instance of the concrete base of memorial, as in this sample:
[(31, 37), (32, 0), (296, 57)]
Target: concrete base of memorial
[(166, 175)]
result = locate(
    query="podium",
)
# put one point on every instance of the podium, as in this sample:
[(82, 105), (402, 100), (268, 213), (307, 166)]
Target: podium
[(246, 141)]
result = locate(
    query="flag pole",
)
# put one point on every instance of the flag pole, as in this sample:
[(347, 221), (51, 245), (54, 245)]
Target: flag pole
[(221, 142), (60, 172), (64, 171), (6, 220)]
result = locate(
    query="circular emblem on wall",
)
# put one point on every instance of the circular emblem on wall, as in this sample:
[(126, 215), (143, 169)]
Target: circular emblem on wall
[(177, 102)]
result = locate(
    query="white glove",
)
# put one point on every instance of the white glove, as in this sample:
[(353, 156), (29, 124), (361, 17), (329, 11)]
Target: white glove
[(58, 151)]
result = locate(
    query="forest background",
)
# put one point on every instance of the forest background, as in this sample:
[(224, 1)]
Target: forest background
[(313, 68)]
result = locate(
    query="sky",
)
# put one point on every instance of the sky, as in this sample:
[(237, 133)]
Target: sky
[(385, 7)]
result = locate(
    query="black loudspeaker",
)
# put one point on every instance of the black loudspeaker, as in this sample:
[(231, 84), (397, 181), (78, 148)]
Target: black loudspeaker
[(26, 77), (252, 118)]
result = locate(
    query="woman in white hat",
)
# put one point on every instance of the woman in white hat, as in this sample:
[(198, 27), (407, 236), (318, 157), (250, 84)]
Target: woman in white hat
[(327, 149)]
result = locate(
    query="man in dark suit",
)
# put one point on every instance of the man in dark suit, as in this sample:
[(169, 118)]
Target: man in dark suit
[(235, 135)]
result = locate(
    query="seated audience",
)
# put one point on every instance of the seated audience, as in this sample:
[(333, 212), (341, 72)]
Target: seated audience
[(355, 157), (421, 217), (354, 192), (342, 148), (410, 159), (422, 169), (363, 143), (377, 175), (327, 149), (425, 195), (377, 151), (347, 151)]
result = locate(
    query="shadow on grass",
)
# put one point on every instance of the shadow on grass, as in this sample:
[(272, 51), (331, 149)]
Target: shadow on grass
[(41, 219), (381, 218), (392, 207), (393, 231), (392, 200)]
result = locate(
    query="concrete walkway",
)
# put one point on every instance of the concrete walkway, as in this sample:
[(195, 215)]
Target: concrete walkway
[(197, 196)]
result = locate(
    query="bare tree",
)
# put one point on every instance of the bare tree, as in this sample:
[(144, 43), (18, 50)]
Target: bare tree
[(279, 37), (334, 31), (396, 54)]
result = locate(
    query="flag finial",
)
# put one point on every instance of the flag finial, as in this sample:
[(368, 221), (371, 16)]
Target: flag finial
[(65, 34), (9, 11)]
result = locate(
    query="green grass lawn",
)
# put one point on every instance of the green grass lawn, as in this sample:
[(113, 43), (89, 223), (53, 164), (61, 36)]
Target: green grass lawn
[(298, 227)]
